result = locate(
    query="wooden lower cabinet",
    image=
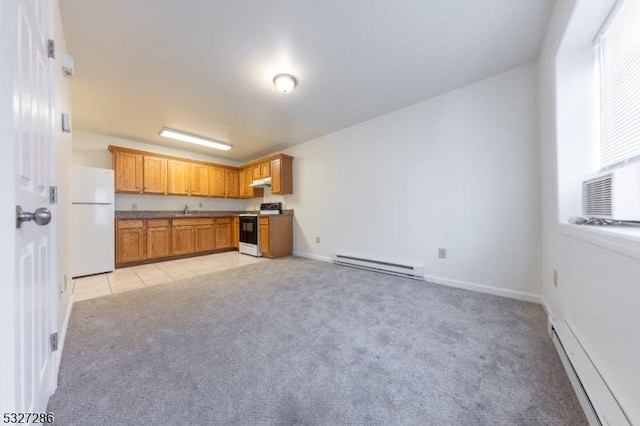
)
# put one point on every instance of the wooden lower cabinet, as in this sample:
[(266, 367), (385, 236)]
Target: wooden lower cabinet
[(158, 238), (146, 240), (130, 241), (235, 232), (223, 232), (183, 240), (276, 236), (264, 236), (205, 237)]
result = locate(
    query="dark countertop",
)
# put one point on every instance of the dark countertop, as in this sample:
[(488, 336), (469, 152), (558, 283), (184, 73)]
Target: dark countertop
[(149, 214)]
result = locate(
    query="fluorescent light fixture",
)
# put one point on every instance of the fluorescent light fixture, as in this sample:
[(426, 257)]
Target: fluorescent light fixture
[(198, 140), (285, 82)]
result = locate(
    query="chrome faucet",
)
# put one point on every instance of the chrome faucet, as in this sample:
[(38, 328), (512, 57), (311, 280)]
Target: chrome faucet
[(186, 208)]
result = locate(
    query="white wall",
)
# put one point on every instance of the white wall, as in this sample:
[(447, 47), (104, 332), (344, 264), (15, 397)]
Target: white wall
[(459, 171), (598, 289), (90, 149)]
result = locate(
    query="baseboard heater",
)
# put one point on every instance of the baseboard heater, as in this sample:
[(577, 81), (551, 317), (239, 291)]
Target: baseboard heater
[(599, 404), (415, 272)]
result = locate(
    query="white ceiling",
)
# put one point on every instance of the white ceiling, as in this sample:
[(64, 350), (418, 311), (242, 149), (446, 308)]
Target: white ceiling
[(206, 66)]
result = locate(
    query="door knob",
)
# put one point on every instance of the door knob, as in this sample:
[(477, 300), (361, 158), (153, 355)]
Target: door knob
[(42, 216)]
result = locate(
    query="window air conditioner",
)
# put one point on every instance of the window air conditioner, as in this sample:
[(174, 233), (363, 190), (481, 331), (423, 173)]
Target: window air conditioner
[(614, 195)]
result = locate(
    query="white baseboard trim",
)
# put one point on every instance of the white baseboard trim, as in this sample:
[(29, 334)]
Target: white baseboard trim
[(596, 398), (482, 288), (511, 294), (62, 335), (312, 256), (550, 318)]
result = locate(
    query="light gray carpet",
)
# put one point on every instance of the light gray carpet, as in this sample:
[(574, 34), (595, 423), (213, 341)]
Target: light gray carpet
[(295, 341)]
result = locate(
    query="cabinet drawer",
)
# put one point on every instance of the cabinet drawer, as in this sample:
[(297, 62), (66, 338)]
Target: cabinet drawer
[(130, 223), (154, 223), (264, 221), (195, 221), (223, 220)]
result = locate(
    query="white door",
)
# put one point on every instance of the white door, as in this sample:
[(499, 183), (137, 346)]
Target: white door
[(28, 127)]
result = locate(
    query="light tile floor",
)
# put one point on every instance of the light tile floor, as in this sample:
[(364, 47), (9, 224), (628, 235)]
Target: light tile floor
[(135, 277)]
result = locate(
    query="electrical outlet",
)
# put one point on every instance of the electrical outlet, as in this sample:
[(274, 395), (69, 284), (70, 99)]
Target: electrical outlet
[(200, 205), (134, 206), (442, 253), (555, 278), (317, 240)]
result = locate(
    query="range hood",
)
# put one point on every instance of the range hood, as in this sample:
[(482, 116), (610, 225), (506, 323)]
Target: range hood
[(261, 183)]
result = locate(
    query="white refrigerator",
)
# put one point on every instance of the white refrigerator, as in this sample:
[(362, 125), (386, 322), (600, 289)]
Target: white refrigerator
[(93, 237)]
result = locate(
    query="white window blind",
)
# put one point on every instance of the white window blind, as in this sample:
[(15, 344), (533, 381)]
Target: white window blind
[(619, 59)]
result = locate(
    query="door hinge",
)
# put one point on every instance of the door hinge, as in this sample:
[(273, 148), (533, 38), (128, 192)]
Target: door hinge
[(54, 342), (53, 194), (51, 48)]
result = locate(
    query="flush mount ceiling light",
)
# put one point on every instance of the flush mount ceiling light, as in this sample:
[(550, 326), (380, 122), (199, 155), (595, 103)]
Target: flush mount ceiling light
[(285, 82), (198, 140)]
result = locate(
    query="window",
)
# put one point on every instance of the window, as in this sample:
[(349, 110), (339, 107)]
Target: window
[(619, 68)]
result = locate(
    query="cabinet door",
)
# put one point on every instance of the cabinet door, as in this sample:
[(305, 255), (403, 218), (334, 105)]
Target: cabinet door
[(158, 242), (275, 176), (231, 184), (155, 175), (235, 232), (282, 175), (130, 245), (223, 232), (128, 171), (198, 180), (177, 177), (205, 238), (245, 180), (264, 235), (256, 171), (265, 169), (182, 240), (216, 181)]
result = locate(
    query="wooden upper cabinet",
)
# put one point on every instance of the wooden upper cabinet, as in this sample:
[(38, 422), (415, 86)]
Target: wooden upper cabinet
[(178, 177), (261, 170), (245, 180), (232, 184), (155, 175), (127, 168), (265, 169), (199, 180), (276, 178), (282, 175), (255, 171), (146, 172), (216, 181)]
